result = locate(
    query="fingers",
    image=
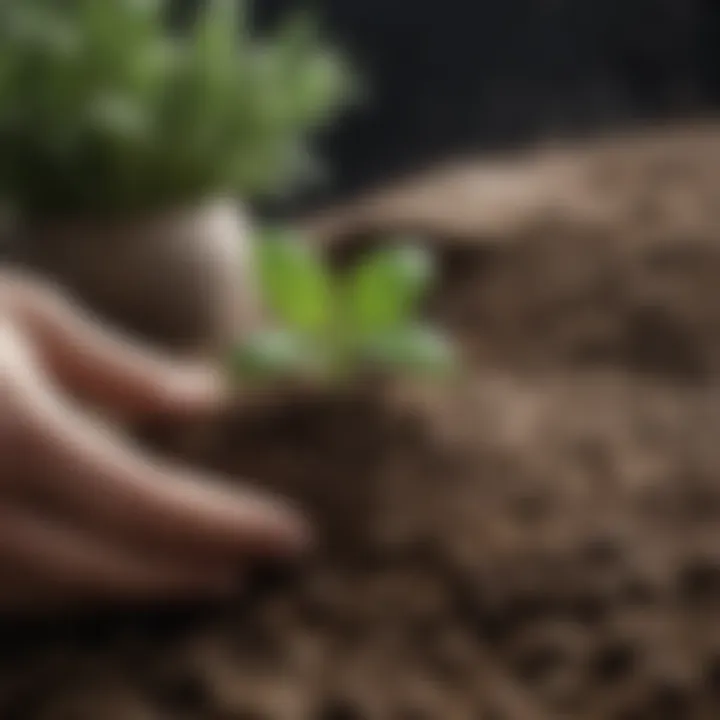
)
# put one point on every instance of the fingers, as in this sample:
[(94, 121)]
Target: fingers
[(37, 554), (102, 365), (112, 488)]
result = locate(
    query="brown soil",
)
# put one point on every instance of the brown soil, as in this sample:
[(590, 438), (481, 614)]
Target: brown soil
[(538, 541)]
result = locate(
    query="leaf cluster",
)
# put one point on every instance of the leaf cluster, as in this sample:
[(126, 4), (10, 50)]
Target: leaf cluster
[(104, 109), (330, 326)]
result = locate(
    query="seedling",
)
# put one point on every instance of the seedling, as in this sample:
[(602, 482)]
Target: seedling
[(330, 327)]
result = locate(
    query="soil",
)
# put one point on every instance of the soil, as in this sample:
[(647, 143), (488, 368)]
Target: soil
[(538, 540)]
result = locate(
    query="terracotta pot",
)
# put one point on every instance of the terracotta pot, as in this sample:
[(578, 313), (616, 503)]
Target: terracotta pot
[(180, 279)]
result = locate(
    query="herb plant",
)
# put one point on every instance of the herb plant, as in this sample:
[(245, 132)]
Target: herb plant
[(104, 109), (330, 327)]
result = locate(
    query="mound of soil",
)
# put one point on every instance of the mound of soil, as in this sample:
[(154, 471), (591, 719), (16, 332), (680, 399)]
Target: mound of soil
[(540, 540)]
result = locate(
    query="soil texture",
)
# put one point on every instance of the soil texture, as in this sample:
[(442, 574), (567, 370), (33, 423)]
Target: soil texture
[(538, 540)]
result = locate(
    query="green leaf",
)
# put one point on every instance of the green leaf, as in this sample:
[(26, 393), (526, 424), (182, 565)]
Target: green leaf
[(414, 349), (217, 39), (118, 118), (296, 284), (273, 353), (384, 291)]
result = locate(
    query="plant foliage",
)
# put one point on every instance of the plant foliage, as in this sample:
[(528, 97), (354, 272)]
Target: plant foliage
[(328, 326), (104, 109)]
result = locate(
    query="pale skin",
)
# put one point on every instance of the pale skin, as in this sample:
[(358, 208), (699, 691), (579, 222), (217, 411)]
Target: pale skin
[(87, 517)]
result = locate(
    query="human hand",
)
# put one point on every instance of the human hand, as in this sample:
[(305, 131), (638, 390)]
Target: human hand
[(85, 516)]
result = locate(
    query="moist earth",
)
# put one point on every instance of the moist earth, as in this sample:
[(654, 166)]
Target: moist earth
[(537, 539)]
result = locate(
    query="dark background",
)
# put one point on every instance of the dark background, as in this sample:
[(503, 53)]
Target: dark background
[(452, 76)]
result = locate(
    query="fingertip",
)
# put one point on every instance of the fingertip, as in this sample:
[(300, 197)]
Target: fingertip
[(283, 530), (205, 386), (194, 390)]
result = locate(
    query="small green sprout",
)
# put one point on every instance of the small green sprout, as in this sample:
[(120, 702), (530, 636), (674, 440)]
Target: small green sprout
[(329, 326)]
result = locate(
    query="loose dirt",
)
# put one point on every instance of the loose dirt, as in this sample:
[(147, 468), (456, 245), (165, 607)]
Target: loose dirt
[(538, 540)]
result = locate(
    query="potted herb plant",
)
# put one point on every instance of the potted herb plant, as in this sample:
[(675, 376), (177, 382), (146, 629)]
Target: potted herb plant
[(126, 147)]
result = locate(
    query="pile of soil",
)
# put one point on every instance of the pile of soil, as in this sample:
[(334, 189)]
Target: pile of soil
[(539, 540)]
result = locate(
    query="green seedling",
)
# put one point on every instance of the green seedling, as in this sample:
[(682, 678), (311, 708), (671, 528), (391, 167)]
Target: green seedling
[(328, 326), (104, 108)]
